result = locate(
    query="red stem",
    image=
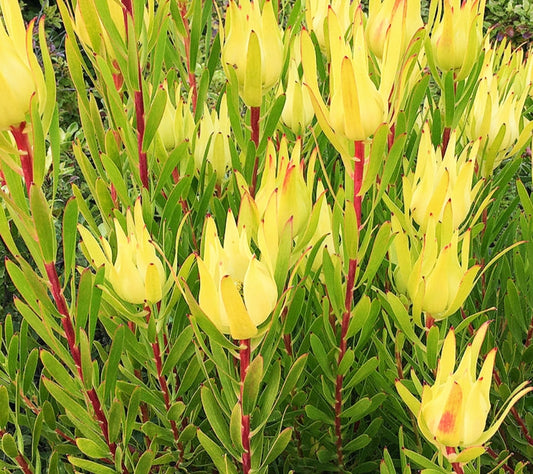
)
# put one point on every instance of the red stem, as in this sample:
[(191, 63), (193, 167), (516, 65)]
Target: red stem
[(245, 418), (70, 335), (139, 113), (445, 139), (187, 44), (352, 266), (359, 164), (455, 465), (23, 464), (26, 154), (255, 113)]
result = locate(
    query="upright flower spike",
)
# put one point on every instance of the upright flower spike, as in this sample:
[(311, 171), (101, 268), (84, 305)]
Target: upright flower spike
[(19, 79), (137, 275), (252, 47), (456, 34), (439, 180), (237, 291), (453, 411)]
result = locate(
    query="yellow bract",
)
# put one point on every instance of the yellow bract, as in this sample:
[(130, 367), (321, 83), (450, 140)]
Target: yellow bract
[(457, 35), (453, 411), (252, 47), (212, 143), (316, 13), (137, 275), (439, 181), (177, 123), (435, 279), (298, 109), (237, 291), (18, 82)]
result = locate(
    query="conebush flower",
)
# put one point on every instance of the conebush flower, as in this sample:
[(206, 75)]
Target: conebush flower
[(237, 291), (252, 47), (136, 274), (453, 411)]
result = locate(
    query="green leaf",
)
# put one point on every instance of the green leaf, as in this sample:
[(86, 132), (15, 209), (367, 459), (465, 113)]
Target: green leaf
[(381, 246), (316, 414), (362, 372), (176, 410), (358, 443), (216, 454), (293, 376), (278, 446), (112, 363), (44, 226), (216, 419), (92, 449), (4, 407), (358, 410), (432, 346), (60, 374), (9, 446), (153, 117), (346, 362), (70, 220), (321, 356), (114, 419), (183, 341), (145, 463), (423, 462), (90, 466), (235, 425), (252, 381)]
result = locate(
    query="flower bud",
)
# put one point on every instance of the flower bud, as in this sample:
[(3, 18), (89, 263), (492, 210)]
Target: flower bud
[(237, 291), (298, 110), (457, 35), (137, 275), (453, 411), (252, 47), (212, 143)]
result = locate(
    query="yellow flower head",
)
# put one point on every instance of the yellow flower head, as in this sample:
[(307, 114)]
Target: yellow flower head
[(137, 274), (457, 35), (440, 181), (18, 79), (316, 13), (237, 291), (252, 47), (453, 411), (434, 277)]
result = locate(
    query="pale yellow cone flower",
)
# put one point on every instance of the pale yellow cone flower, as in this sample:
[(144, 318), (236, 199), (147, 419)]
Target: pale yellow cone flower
[(212, 143), (298, 110), (18, 80), (457, 34), (237, 291), (436, 277), (496, 113), (284, 174), (382, 14), (453, 411), (316, 13), (439, 180), (137, 274), (252, 48), (177, 124), (357, 108)]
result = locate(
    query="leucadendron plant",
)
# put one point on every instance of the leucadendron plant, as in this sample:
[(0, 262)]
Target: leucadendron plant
[(269, 243)]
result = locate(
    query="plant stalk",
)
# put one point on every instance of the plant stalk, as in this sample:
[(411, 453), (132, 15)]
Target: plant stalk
[(26, 153), (359, 164), (245, 419), (455, 465), (352, 266)]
